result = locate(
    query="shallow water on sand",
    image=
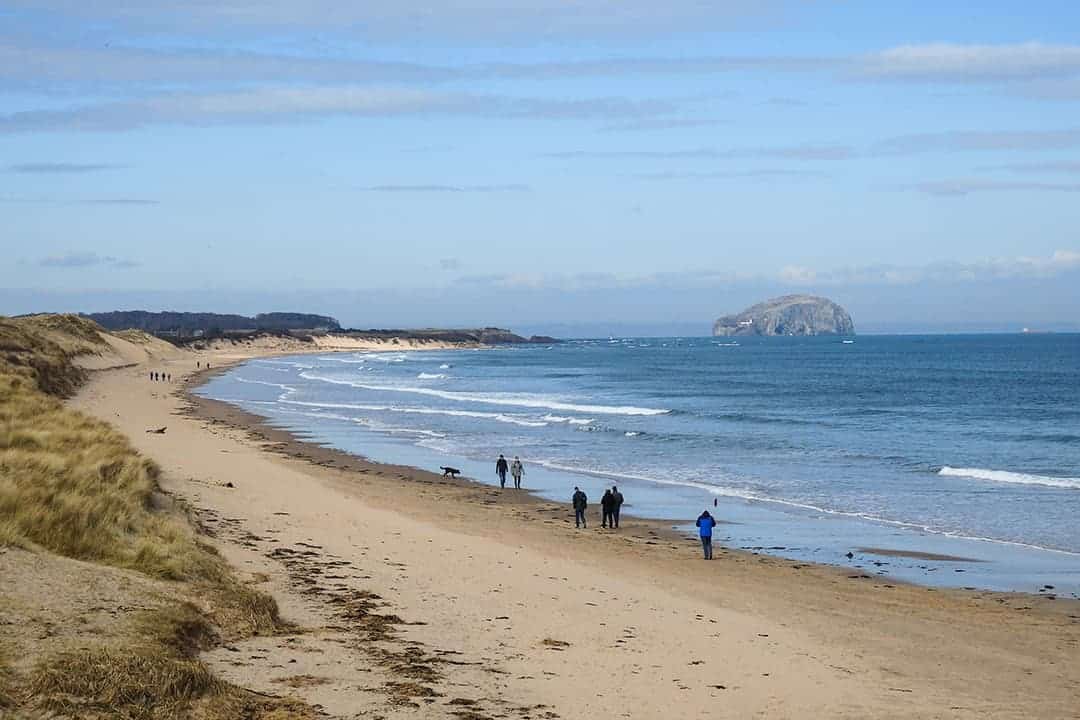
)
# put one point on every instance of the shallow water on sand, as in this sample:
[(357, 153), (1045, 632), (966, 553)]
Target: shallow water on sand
[(963, 446)]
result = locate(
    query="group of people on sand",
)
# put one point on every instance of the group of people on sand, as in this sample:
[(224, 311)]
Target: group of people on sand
[(516, 470), (610, 504), (160, 376), (610, 507)]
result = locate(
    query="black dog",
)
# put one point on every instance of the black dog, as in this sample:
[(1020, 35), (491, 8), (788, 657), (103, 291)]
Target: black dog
[(450, 472)]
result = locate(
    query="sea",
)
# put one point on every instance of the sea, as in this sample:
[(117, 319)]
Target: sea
[(947, 460)]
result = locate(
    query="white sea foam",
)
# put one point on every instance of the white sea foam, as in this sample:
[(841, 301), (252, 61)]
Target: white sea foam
[(498, 417), (508, 399), (288, 389), (569, 420), (1003, 476), (631, 433), (368, 423), (445, 366), (431, 376)]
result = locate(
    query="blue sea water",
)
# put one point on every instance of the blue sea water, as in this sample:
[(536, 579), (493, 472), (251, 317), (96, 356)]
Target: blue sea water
[(810, 447)]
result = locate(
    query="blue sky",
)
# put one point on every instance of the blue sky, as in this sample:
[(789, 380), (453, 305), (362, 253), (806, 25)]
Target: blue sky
[(582, 166)]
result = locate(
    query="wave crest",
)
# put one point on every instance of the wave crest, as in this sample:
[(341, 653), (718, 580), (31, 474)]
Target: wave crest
[(507, 399), (1014, 478)]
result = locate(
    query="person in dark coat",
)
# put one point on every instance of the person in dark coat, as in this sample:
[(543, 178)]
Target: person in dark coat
[(605, 508), (616, 505), (705, 524), (580, 501), (501, 468)]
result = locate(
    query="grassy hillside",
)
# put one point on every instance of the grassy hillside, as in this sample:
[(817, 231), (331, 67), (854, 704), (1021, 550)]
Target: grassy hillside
[(72, 486)]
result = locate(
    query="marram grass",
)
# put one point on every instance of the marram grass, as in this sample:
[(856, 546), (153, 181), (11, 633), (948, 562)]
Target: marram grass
[(73, 486)]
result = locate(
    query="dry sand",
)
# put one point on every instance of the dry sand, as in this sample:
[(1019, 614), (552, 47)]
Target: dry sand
[(422, 597)]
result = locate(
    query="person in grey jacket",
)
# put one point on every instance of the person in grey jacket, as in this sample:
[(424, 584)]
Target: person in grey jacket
[(516, 471)]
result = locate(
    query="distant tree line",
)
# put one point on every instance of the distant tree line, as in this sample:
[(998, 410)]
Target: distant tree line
[(210, 324)]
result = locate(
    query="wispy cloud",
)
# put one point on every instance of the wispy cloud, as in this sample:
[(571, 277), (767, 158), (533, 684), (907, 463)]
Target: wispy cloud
[(963, 187), (982, 140), (1060, 261), (794, 152), (135, 201), (55, 200), (470, 20), (280, 104), (661, 123), (764, 174), (1066, 166), (949, 62), (86, 259), (447, 188), (59, 168)]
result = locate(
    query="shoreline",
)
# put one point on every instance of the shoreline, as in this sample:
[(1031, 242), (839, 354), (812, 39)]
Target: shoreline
[(870, 551), (289, 444), (535, 613)]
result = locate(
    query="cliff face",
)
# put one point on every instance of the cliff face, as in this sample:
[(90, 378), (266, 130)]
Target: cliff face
[(788, 315)]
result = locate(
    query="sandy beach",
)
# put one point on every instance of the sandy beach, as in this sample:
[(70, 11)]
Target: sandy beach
[(416, 596)]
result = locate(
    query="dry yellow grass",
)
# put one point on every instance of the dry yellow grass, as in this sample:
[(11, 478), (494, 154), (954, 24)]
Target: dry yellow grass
[(72, 485)]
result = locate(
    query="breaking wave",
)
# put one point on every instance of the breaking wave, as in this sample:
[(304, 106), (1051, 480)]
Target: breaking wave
[(1003, 476)]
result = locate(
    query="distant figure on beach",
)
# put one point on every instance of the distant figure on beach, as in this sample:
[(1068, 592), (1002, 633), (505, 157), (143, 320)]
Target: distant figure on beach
[(196, 364), (169, 377), (705, 524), (500, 469), (580, 501), (153, 375), (616, 505), (516, 471), (605, 509)]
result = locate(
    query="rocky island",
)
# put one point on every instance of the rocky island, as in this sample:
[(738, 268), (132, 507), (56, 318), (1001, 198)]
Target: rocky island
[(788, 315)]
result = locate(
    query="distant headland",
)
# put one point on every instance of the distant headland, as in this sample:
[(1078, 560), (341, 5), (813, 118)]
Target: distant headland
[(788, 315), (183, 328)]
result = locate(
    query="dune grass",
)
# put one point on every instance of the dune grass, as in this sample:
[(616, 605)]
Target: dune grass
[(72, 485)]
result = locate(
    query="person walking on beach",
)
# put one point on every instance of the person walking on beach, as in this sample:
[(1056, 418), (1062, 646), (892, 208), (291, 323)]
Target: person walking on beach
[(705, 524), (580, 501), (605, 509), (500, 469), (616, 505), (516, 471)]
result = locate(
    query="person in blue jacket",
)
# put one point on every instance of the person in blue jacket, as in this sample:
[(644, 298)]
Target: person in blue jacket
[(705, 524)]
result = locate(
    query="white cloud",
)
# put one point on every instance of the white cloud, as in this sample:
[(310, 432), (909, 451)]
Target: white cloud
[(800, 276), (948, 62), (291, 103), (1058, 262), (472, 20)]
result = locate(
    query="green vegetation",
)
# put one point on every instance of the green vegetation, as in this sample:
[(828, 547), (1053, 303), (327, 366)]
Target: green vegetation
[(73, 486)]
